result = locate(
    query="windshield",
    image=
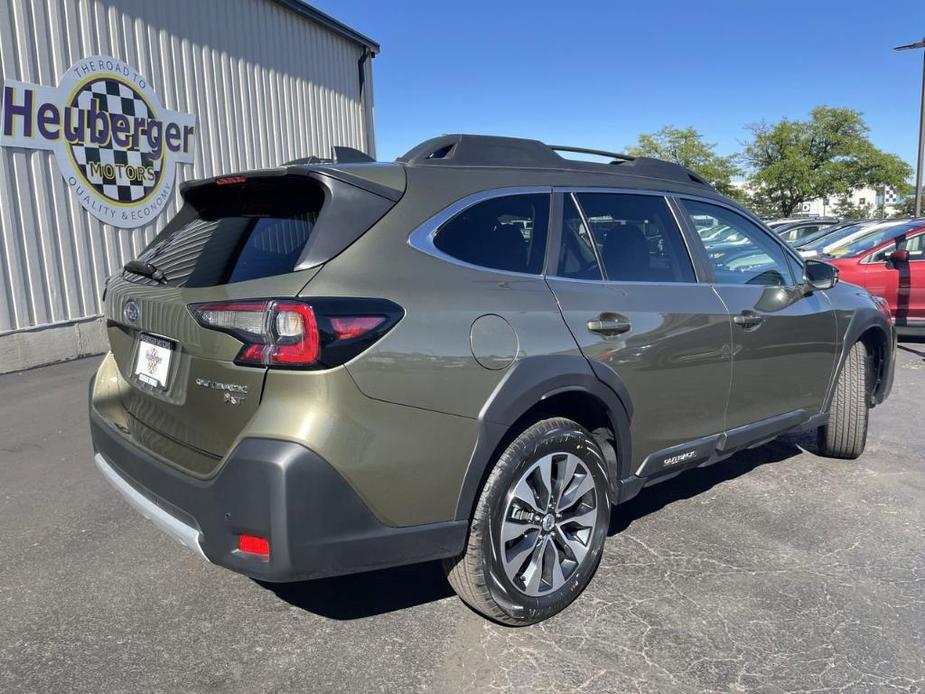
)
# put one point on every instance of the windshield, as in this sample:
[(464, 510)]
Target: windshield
[(872, 240)]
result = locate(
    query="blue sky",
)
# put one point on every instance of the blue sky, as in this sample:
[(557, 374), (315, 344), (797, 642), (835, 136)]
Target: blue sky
[(599, 73)]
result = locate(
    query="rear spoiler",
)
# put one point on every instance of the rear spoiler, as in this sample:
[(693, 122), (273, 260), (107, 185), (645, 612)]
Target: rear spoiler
[(339, 155), (309, 170), (352, 204)]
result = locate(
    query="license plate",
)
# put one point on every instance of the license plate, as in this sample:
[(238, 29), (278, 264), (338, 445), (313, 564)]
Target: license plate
[(152, 366)]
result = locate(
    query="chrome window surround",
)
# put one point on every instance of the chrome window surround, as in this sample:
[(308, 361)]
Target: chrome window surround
[(422, 238)]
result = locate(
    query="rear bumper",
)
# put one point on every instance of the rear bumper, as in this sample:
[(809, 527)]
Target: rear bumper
[(316, 524), (185, 534)]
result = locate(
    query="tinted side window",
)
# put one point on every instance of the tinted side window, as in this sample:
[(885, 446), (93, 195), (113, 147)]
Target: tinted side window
[(577, 258), (507, 233), (741, 252), (637, 238)]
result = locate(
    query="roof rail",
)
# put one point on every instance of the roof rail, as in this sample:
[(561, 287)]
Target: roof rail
[(490, 150), (585, 150)]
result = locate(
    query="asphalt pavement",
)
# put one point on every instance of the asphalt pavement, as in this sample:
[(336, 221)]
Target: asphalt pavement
[(775, 571)]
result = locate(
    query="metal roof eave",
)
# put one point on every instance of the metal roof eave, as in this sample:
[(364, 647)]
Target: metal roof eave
[(327, 21)]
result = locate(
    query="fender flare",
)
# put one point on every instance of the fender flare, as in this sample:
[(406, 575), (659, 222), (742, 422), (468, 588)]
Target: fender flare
[(861, 321), (527, 383)]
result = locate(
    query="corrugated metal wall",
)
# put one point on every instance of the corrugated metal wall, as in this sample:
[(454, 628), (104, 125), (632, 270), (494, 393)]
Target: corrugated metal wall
[(267, 85)]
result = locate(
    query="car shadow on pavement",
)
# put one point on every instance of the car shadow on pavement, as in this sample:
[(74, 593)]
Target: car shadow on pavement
[(388, 590), (699, 480), (367, 594), (914, 344)]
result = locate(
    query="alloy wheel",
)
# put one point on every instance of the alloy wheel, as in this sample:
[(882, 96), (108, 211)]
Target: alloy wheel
[(549, 520)]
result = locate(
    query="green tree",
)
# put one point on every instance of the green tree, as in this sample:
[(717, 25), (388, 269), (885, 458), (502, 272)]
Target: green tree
[(687, 147), (826, 156), (847, 209)]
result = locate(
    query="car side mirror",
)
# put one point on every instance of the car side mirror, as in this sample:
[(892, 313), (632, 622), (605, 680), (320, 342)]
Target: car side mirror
[(819, 276), (899, 256)]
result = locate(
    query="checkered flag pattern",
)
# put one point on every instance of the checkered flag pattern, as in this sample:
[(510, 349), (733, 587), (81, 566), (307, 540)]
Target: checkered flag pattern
[(113, 97)]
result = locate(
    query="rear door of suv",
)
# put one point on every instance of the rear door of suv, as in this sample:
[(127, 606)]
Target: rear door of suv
[(629, 293), (783, 342)]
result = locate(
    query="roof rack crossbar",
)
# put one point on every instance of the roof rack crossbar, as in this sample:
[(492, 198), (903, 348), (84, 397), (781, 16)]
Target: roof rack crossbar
[(585, 150)]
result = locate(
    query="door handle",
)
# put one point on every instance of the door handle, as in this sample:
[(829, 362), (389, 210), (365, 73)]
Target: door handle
[(748, 320), (609, 325)]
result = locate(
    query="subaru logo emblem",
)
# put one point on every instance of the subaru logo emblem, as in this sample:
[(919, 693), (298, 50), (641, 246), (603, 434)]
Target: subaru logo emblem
[(131, 311)]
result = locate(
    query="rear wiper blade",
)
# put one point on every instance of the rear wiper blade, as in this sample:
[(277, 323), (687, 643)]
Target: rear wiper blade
[(146, 269)]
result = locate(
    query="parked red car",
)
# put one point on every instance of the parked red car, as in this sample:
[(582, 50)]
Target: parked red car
[(889, 262)]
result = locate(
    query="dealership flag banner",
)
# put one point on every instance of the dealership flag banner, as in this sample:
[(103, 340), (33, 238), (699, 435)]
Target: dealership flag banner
[(116, 146)]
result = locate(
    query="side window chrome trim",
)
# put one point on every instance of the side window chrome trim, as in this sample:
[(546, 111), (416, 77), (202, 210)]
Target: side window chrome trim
[(620, 283), (606, 189), (422, 238)]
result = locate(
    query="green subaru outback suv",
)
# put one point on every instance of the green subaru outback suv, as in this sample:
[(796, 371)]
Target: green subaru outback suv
[(471, 354)]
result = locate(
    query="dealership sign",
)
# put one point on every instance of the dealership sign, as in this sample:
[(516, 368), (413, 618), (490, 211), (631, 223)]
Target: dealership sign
[(116, 146)]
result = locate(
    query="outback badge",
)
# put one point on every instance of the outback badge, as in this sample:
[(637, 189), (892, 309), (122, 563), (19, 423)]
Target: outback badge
[(233, 393)]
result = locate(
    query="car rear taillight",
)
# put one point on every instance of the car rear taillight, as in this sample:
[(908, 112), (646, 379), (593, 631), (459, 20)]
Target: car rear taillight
[(296, 334)]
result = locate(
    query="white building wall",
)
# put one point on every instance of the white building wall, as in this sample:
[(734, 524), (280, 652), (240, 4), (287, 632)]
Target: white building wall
[(859, 197), (825, 207), (267, 84)]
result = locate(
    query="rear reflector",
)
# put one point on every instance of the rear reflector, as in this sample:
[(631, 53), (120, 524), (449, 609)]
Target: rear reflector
[(254, 545)]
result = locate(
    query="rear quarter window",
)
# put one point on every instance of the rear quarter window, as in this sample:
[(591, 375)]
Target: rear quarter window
[(505, 233)]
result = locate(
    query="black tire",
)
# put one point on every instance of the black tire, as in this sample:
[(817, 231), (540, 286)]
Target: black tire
[(845, 434), (478, 575)]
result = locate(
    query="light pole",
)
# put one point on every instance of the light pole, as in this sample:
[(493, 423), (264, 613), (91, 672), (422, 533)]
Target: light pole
[(918, 161)]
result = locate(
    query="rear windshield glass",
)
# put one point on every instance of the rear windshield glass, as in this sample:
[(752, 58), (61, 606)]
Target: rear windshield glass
[(232, 233)]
